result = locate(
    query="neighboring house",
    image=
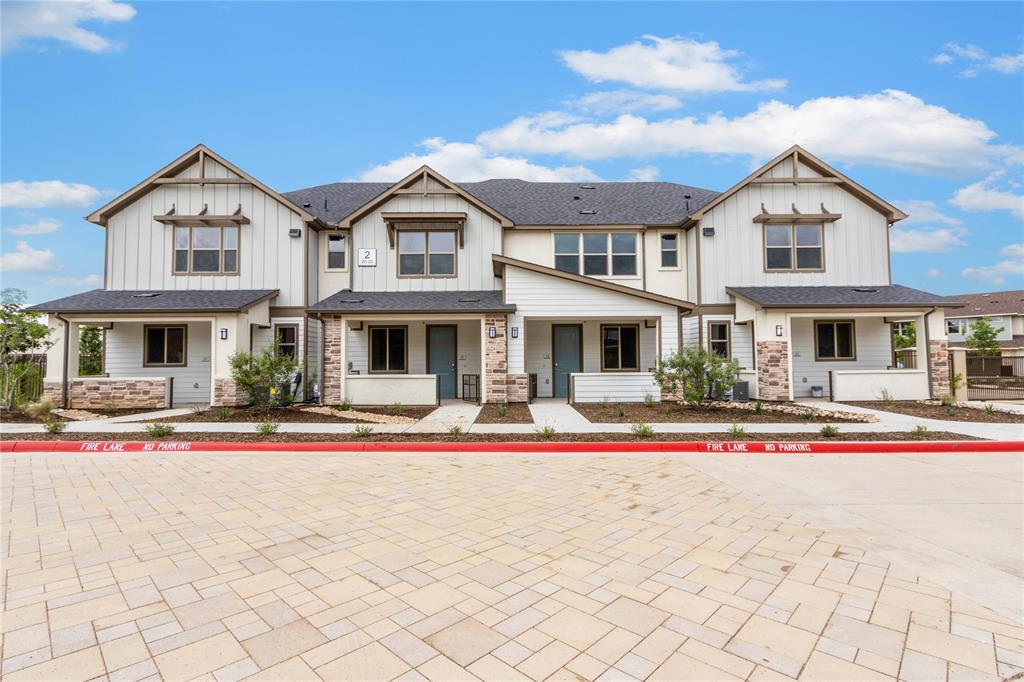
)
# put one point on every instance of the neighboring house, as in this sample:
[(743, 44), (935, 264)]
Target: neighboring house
[(1005, 310), (496, 290)]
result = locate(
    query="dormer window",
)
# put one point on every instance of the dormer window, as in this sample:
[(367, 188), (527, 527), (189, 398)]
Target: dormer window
[(206, 250), (426, 253)]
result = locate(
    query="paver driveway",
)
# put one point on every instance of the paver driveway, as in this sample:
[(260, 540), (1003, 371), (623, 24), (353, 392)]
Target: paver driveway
[(612, 567)]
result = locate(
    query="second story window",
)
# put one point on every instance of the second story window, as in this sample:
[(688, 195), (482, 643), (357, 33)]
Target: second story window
[(669, 250), (336, 252), (789, 248), (596, 254), (956, 327), (426, 253), (206, 250)]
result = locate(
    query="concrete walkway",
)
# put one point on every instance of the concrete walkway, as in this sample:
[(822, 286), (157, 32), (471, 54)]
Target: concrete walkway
[(445, 417), (903, 422), (557, 414)]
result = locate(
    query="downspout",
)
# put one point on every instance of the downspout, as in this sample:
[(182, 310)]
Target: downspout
[(927, 353), (64, 372), (323, 359)]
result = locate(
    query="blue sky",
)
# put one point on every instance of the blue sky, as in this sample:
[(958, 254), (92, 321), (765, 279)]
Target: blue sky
[(920, 102)]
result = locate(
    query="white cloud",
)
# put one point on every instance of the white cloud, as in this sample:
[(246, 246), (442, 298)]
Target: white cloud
[(26, 259), (925, 212), (644, 174), (934, 272), (976, 60), (675, 63), (1012, 251), (88, 280), (994, 193), (45, 193), (623, 101), (41, 226), (939, 232), (60, 21), (467, 162), (890, 128), (1012, 266)]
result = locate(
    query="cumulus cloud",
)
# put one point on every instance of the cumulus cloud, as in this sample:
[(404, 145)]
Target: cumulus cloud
[(467, 162), (41, 226), (975, 60), (927, 230), (675, 63), (87, 281), (1012, 266), (60, 21), (623, 101), (26, 259), (44, 193), (934, 272), (644, 174), (890, 128), (994, 193)]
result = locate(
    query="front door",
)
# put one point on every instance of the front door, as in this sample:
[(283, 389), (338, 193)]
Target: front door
[(441, 356), (566, 341)]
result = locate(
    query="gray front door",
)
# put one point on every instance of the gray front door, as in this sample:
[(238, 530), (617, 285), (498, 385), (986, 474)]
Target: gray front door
[(566, 341), (441, 356)]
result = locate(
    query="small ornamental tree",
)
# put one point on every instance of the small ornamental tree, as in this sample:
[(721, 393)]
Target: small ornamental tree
[(693, 375), (265, 377), (907, 338), (90, 351), (21, 333), (982, 339)]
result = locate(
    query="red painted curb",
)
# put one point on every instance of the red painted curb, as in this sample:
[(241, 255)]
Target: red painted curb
[(755, 447)]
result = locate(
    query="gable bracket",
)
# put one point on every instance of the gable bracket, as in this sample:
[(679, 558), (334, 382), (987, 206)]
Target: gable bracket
[(796, 217)]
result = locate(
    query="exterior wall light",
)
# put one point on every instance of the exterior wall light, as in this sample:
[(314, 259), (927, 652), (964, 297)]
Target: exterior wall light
[(492, 332), (515, 332), (223, 334), (778, 330)]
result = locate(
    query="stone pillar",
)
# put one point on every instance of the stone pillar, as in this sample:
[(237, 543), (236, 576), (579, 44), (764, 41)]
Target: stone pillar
[(773, 370), (333, 384), (938, 367), (225, 393), (495, 360), (959, 358)]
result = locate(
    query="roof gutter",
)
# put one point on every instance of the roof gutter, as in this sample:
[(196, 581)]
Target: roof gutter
[(64, 372), (927, 352)]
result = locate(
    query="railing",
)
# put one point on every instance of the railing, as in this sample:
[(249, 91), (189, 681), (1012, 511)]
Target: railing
[(899, 384), (619, 387), (995, 378), (22, 382), (905, 359), (388, 389)]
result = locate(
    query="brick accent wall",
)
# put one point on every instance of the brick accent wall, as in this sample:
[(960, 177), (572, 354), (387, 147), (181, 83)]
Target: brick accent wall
[(333, 371), (517, 388), (225, 393), (103, 392), (773, 370), (938, 366), (52, 392), (495, 360)]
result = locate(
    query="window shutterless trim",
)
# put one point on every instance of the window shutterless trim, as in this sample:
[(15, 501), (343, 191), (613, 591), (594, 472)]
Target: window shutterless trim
[(387, 346), (218, 273), (165, 327), (662, 250), (636, 360), (277, 341), (327, 252), (426, 253), (835, 341), (728, 336), (792, 248), (608, 253)]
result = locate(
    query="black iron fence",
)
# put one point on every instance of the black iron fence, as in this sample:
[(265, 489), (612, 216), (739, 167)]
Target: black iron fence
[(995, 378), (905, 359), (21, 382)]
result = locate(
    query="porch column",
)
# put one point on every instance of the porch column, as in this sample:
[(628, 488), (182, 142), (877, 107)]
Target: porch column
[(495, 360), (517, 381), (959, 358), (53, 383), (773, 356), (334, 362), (223, 391), (937, 352)]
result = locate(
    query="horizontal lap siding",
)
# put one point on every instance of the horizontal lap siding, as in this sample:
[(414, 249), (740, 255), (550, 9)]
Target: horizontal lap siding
[(124, 357), (873, 353), (623, 388), (740, 336)]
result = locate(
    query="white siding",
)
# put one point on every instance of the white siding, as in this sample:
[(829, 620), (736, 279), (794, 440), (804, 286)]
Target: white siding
[(741, 339), (691, 327), (619, 387), (873, 345), (856, 246), (263, 339), (124, 348), (140, 250)]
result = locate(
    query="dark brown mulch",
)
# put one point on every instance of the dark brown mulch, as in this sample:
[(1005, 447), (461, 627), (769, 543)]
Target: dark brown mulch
[(491, 437), (407, 411), (253, 415), (122, 412), (954, 413), (671, 411), (515, 413), (18, 417)]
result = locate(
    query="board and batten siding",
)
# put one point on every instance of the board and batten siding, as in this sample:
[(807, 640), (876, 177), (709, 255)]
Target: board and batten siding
[(140, 250), (474, 270), (124, 358), (873, 348), (856, 246)]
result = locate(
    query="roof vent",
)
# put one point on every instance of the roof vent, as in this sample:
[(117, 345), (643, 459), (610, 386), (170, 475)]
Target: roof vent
[(351, 300), (587, 187), (306, 205), (469, 300), (576, 198), (866, 291), (588, 212), (146, 295)]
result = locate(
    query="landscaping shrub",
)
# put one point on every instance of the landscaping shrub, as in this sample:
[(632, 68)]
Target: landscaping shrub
[(642, 430), (158, 430), (829, 431), (397, 409), (736, 430), (502, 409), (546, 432), (264, 377), (694, 375), (456, 431), (345, 405), (363, 431), (55, 426), (920, 430), (41, 409), (267, 427), (224, 414)]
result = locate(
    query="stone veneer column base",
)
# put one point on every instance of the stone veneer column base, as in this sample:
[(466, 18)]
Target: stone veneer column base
[(109, 392), (52, 392), (773, 370), (331, 392), (225, 393), (495, 360), (517, 388), (938, 367)]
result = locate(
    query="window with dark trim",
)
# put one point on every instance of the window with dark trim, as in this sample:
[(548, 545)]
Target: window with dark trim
[(957, 326), (388, 349), (719, 341), (670, 250), (206, 250), (286, 340), (620, 348), (789, 248), (426, 253), (834, 340), (164, 346), (336, 252), (596, 254)]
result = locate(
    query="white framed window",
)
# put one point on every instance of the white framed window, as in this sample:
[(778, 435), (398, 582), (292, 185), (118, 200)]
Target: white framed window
[(205, 250), (958, 327), (596, 254), (286, 340), (719, 339), (669, 242), (336, 251)]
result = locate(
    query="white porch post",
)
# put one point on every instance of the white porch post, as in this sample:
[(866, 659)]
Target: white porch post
[(64, 350)]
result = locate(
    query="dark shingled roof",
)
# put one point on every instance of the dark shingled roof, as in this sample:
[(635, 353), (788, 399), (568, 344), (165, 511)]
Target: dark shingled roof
[(347, 301), (128, 301), (990, 303), (837, 297), (536, 203)]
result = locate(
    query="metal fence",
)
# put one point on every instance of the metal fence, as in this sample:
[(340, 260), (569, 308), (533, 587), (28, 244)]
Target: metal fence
[(22, 382), (905, 359), (995, 378)]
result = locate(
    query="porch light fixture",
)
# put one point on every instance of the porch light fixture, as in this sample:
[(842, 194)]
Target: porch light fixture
[(492, 332), (223, 334), (778, 330), (515, 332)]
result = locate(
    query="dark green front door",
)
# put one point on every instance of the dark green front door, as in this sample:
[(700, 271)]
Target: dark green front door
[(566, 342), (441, 356)]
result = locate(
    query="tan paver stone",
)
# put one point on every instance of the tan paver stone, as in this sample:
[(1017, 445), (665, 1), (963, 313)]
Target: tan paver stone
[(734, 665), (913, 601), (443, 669), (575, 628), (199, 658), (792, 643), (283, 643), (371, 662), (433, 598), (658, 645), (26, 639), (542, 664), (953, 648), (261, 582), (690, 606), (633, 616), (490, 668), (292, 670), (209, 610), (873, 638), (81, 665), (125, 651), (18, 618), (336, 648), (466, 641), (586, 667), (680, 667), (824, 668), (83, 612)]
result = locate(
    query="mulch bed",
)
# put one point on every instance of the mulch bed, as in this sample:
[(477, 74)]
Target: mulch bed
[(516, 413), (954, 413), (18, 417), (407, 411), (490, 437), (670, 411), (123, 412), (287, 415)]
